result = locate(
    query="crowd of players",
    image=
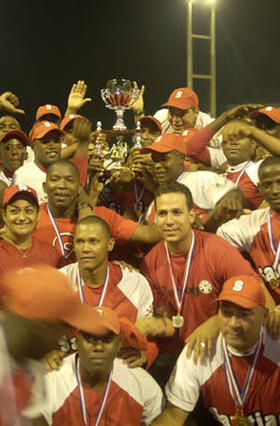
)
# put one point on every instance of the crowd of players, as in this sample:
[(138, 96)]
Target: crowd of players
[(145, 293)]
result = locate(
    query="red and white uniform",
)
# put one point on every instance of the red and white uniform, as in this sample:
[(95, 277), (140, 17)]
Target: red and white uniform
[(40, 252), (251, 233), (5, 178), (162, 116), (134, 397), (213, 262), (121, 229), (128, 293), (262, 404), (245, 175), (207, 189)]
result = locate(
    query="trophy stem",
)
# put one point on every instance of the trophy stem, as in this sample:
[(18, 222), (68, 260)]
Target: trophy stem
[(119, 124)]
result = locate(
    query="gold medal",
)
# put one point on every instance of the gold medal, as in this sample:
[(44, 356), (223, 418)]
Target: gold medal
[(239, 419), (177, 321), (274, 283)]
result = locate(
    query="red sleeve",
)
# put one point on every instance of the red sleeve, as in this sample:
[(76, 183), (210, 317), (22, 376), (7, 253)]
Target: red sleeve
[(81, 161), (197, 147), (121, 228), (151, 353)]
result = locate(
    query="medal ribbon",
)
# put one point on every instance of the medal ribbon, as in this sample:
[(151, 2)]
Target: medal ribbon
[(52, 219), (277, 251), (82, 397), (240, 174), (138, 196), (186, 275), (104, 287), (238, 395)]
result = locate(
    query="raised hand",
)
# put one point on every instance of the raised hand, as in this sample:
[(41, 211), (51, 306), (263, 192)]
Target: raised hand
[(138, 106), (76, 98), (10, 102)]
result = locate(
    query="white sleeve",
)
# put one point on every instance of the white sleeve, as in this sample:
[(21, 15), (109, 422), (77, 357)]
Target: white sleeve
[(154, 400), (217, 157), (182, 389), (241, 232), (207, 188), (161, 115)]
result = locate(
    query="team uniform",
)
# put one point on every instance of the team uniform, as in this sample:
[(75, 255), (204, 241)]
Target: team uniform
[(207, 189), (62, 237), (244, 175), (39, 252), (128, 292), (213, 262), (262, 404), (133, 397), (6, 178), (258, 234)]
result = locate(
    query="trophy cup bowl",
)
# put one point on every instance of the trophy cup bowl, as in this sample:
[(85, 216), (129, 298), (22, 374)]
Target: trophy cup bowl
[(119, 96)]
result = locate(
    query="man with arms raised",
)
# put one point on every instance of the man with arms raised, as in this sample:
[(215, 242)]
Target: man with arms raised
[(240, 384)]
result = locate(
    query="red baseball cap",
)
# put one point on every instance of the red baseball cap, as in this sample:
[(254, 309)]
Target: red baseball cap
[(151, 119), (42, 128), (47, 109), (243, 290), (271, 112), (69, 119), (13, 190), (182, 98), (43, 293), (15, 134), (167, 142)]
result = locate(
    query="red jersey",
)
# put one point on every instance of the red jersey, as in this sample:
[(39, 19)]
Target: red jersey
[(251, 233), (40, 252), (213, 262), (121, 230), (262, 404), (133, 398)]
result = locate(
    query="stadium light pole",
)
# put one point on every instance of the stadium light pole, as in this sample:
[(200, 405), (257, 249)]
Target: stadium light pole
[(212, 40)]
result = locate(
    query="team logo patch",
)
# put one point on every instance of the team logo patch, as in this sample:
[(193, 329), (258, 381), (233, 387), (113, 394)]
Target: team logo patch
[(179, 94), (205, 287)]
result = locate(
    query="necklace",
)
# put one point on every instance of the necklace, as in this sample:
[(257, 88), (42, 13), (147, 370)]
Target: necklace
[(23, 252)]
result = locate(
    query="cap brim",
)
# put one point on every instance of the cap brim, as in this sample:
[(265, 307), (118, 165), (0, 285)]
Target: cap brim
[(44, 132), (86, 319), (239, 301), (16, 134)]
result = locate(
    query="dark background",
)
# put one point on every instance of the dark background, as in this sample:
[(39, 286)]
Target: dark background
[(47, 45)]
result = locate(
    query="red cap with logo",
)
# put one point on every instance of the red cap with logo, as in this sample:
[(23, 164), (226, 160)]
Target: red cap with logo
[(167, 142), (69, 119), (13, 190), (42, 128), (151, 119), (47, 109), (15, 134), (182, 98), (243, 290), (269, 111)]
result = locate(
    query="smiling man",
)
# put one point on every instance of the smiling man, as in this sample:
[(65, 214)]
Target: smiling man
[(238, 385), (185, 270), (45, 138), (59, 216)]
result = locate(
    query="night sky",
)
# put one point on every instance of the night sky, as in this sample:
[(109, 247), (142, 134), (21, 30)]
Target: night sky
[(48, 45)]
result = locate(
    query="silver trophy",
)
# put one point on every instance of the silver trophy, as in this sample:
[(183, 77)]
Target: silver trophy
[(119, 96)]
